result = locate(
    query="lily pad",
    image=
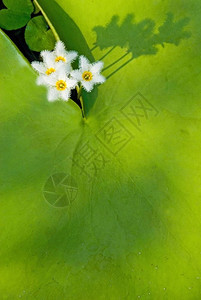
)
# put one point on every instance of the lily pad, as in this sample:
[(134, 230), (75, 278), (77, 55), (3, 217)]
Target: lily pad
[(17, 14), (38, 36), (133, 228)]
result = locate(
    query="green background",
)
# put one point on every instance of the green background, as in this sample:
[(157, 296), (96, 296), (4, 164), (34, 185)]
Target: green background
[(133, 230)]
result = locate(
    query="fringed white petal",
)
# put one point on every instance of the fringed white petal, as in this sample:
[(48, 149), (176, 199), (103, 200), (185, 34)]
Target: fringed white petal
[(98, 78), (71, 56), (38, 66), (61, 73), (84, 64), (53, 94), (76, 74), (50, 80), (87, 85), (41, 80), (60, 49), (96, 67), (65, 95), (71, 83), (48, 58), (68, 68)]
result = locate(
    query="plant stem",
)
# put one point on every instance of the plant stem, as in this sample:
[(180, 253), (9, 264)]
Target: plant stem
[(79, 90), (57, 38), (82, 104)]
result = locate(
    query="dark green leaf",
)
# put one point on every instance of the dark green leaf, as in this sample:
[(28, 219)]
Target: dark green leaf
[(38, 36), (24, 6), (17, 14)]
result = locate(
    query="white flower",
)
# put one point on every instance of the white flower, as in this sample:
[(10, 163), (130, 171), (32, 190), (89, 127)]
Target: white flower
[(56, 72), (88, 74), (59, 85), (52, 60), (61, 56), (45, 68)]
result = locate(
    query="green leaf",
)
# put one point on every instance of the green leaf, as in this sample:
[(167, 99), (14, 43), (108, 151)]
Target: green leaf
[(38, 36), (106, 37), (67, 28), (17, 14), (36, 8), (124, 223), (20, 5)]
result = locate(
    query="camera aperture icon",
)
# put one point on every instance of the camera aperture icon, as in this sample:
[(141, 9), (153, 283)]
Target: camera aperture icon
[(60, 190)]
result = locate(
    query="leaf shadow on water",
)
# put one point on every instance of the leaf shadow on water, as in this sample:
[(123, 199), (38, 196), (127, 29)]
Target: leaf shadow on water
[(138, 38)]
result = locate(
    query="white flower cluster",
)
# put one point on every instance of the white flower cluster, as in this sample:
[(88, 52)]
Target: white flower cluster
[(57, 74)]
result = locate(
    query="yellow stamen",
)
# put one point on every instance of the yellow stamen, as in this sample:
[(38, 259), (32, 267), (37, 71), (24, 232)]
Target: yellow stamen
[(87, 76), (60, 58), (50, 71), (61, 85)]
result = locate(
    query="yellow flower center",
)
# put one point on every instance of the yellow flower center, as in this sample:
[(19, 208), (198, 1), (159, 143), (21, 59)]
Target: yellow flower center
[(60, 58), (87, 76), (61, 85), (50, 71)]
